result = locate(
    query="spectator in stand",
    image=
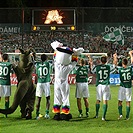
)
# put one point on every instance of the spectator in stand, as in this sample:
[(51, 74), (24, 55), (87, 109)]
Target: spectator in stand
[(93, 43)]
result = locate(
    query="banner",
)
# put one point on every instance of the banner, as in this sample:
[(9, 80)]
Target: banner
[(14, 80), (114, 79), (71, 79), (116, 37)]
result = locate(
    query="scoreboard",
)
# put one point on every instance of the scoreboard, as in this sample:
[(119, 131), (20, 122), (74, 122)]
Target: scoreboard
[(53, 19)]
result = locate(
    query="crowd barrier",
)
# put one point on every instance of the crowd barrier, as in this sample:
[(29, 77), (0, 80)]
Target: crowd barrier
[(114, 79)]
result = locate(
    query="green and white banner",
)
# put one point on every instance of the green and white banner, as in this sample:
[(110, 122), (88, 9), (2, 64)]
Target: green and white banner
[(116, 37)]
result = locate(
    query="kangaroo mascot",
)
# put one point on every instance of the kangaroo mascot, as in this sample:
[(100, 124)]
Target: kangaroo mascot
[(65, 60), (25, 92)]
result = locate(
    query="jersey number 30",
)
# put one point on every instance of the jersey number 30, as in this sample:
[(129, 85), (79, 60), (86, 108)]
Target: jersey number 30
[(4, 70)]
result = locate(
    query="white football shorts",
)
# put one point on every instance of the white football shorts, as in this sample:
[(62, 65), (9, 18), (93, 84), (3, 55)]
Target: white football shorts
[(43, 88), (82, 90), (103, 92), (5, 90), (124, 94)]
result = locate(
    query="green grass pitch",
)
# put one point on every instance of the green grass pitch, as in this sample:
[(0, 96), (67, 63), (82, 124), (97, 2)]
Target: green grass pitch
[(14, 124)]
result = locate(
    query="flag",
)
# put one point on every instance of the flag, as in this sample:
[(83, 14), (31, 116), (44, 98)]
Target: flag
[(116, 37)]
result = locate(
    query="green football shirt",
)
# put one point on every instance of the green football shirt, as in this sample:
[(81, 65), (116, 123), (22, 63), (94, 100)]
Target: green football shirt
[(125, 76), (82, 74), (5, 69), (102, 74), (43, 72)]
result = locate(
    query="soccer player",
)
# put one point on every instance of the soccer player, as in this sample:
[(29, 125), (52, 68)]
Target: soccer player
[(125, 90), (5, 84), (43, 85), (82, 87), (103, 71)]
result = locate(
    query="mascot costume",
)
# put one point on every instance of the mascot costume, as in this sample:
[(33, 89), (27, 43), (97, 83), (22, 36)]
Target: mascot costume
[(65, 60), (25, 92)]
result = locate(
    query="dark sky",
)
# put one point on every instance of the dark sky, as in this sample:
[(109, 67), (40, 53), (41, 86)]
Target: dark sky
[(66, 3)]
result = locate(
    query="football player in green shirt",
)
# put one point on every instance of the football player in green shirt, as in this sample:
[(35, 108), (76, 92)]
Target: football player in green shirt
[(103, 71), (43, 84), (125, 90), (5, 84), (82, 87)]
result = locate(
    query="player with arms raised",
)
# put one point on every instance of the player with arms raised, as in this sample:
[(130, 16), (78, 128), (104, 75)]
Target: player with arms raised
[(5, 84), (82, 90), (103, 71), (43, 84), (125, 90)]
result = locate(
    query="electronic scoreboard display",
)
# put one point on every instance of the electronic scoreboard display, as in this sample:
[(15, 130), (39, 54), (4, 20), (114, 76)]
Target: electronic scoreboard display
[(53, 19)]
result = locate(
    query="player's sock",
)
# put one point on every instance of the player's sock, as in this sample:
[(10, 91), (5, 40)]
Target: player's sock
[(120, 110), (80, 111), (6, 105), (47, 111), (127, 112), (87, 109), (87, 112), (105, 106), (37, 113), (47, 114), (97, 109)]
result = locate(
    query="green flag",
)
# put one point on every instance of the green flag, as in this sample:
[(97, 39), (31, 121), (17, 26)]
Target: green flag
[(116, 37)]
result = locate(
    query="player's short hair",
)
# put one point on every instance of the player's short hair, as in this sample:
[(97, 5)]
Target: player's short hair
[(124, 61), (5, 56), (82, 61), (43, 57), (104, 59)]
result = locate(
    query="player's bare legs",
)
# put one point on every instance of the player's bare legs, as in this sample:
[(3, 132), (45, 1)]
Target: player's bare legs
[(6, 103), (79, 107), (86, 102), (120, 109), (105, 106), (127, 109), (38, 107), (97, 108), (47, 107)]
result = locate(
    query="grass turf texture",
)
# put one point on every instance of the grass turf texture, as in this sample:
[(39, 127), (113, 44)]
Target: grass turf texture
[(14, 124)]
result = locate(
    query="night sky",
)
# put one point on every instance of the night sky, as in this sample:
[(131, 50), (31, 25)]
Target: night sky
[(66, 3)]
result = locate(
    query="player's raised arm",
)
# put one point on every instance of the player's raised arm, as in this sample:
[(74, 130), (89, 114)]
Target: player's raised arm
[(90, 62), (115, 59), (131, 56)]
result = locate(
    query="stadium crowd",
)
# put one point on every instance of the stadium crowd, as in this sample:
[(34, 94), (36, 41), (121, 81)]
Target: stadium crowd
[(41, 42), (92, 44)]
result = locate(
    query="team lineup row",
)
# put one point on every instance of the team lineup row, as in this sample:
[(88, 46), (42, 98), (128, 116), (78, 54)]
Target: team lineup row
[(102, 71)]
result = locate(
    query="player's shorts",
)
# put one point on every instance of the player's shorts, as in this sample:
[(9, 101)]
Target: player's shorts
[(5, 90), (82, 90), (124, 94), (103, 92), (43, 88)]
